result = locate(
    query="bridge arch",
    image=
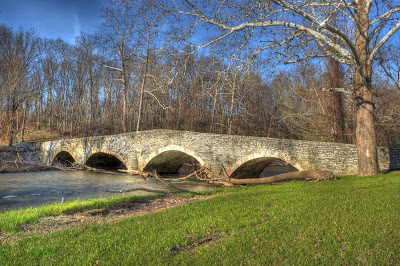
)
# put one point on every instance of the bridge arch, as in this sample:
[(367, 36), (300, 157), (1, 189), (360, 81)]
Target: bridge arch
[(64, 157), (106, 159), (169, 159), (252, 165)]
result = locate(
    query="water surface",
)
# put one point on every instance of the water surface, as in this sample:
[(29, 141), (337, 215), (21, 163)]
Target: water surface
[(19, 190)]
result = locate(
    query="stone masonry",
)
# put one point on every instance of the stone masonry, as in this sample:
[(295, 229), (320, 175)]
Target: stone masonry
[(239, 156)]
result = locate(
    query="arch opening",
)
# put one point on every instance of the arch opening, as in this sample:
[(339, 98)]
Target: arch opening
[(173, 162), (63, 158), (105, 161), (262, 167)]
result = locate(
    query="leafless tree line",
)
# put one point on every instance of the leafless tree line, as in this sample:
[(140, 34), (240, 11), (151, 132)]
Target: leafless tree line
[(146, 69)]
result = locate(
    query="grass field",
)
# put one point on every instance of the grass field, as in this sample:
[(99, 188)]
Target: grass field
[(354, 220)]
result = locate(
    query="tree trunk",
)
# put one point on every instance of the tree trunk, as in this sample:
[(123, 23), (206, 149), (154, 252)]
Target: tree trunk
[(316, 175), (232, 103), (365, 133), (124, 103), (12, 127), (335, 101), (143, 82), (24, 123), (124, 90), (213, 110), (365, 129)]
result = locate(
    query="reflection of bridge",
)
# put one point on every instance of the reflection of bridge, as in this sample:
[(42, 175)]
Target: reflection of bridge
[(241, 156)]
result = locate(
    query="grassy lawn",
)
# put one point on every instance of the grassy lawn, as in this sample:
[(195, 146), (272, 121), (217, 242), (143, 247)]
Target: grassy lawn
[(349, 221)]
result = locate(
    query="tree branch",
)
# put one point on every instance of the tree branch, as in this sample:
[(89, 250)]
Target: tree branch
[(383, 41), (341, 90)]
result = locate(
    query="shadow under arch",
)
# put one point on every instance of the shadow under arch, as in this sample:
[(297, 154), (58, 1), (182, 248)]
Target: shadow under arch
[(64, 158), (173, 160), (106, 160), (253, 165)]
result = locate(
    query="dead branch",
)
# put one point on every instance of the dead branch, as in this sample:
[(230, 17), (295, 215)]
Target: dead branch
[(97, 170), (206, 175), (137, 189), (340, 90), (310, 175), (143, 174), (169, 184), (60, 167), (190, 175)]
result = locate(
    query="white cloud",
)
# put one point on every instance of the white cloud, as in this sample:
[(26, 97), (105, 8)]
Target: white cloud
[(76, 27)]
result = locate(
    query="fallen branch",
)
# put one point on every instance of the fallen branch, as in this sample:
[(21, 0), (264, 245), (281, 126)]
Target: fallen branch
[(169, 184), (137, 189), (97, 170), (60, 167), (206, 175), (310, 175), (143, 174)]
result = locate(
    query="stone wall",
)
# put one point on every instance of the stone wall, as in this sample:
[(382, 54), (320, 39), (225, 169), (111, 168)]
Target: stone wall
[(31, 151), (394, 159), (217, 151)]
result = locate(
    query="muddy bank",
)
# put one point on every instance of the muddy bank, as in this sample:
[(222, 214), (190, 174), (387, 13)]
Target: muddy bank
[(9, 167)]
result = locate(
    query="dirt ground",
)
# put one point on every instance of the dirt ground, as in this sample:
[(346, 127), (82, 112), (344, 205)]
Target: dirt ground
[(100, 216)]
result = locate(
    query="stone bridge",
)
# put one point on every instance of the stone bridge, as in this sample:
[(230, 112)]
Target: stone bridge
[(239, 156)]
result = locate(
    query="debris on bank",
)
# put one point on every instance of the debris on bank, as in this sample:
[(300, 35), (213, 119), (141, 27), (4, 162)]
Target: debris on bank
[(14, 161)]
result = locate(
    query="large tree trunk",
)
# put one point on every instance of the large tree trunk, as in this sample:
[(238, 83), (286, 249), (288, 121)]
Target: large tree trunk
[(365, 133), (365, 130)]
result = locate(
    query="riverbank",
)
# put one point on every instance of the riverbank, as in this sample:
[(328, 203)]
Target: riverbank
[(12, 168), (353, 220), (19, 224), (11, 161)]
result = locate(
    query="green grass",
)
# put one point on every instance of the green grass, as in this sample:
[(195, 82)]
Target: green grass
[(10, 221), (355, 220)]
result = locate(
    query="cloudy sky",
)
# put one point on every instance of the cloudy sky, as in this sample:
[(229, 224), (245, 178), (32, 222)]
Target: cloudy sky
[(53, 18)]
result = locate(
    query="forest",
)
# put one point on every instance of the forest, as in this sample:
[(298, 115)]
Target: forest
[(148, 68)]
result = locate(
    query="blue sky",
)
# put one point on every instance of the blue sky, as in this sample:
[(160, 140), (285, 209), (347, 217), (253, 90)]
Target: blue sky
[(53, 18)]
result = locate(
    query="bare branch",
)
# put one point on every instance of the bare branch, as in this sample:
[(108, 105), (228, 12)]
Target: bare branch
[(386, 15), (383, 41), (341, 90), (111, 67)]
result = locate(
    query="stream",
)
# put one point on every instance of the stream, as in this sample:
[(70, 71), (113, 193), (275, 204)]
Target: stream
[(21, 190)]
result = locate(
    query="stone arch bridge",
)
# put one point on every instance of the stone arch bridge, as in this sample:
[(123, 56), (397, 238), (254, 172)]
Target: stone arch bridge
[(239, 156)]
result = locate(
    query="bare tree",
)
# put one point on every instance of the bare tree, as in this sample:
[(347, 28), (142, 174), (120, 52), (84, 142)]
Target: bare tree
[(18, 50), (149, 24), (305, 29), (118, 34)]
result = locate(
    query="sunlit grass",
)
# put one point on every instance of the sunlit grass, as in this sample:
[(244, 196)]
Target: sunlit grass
[(11, 220), (354, 220)]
